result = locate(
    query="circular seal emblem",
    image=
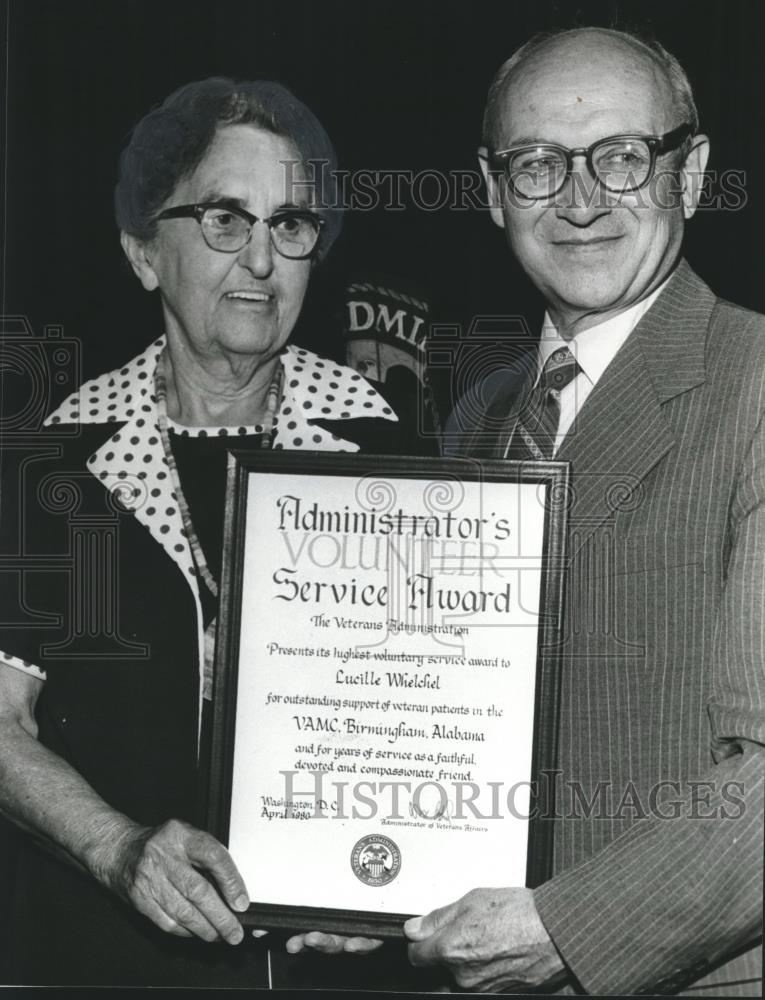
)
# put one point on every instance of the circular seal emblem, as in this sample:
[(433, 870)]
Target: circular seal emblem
[(375, 860)]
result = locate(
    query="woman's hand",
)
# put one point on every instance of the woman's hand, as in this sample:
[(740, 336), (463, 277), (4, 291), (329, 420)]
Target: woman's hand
[(179, 877), (182, 879)]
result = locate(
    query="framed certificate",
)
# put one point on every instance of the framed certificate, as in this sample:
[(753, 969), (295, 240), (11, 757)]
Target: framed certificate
[(386, 687)]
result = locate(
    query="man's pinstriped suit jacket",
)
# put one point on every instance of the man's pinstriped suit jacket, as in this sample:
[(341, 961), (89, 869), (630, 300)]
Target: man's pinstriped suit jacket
[(663, 676)]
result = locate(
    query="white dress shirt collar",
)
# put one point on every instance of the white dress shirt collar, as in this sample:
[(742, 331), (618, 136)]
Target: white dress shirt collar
[(596, 347)]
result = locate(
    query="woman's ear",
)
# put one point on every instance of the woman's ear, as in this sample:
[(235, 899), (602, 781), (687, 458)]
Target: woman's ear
[(138, 253)]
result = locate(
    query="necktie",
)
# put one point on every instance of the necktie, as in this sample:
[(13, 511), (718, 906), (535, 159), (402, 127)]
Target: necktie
[(534, 435)]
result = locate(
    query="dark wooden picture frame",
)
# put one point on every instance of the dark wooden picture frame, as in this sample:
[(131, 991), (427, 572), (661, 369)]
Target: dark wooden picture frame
[(244, 467)]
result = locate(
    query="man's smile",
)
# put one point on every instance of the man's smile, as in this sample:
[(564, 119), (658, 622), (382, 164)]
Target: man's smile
[(587, 243)]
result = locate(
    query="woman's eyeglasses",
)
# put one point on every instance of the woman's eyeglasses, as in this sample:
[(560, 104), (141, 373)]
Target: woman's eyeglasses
[(228, 228)]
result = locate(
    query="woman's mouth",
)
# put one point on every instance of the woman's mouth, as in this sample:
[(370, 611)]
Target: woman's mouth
[(249, 296)]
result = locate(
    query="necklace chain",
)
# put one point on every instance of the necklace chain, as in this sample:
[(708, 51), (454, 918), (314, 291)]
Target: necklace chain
[(266, 429)]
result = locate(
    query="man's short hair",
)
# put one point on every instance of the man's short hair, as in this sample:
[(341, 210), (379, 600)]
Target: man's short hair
[(674, 74), (170, 142)]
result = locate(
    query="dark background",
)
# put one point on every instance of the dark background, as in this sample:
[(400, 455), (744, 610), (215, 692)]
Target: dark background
[(397, 85)]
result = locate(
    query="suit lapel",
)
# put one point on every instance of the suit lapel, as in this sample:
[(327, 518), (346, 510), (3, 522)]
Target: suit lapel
[(619, 436), (622, 431)]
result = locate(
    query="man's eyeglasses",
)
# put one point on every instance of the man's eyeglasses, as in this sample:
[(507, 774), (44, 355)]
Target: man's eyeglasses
[(228, 228), (619, 163)]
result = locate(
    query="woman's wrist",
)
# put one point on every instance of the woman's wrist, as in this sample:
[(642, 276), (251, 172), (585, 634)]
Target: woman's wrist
[(108, 848)]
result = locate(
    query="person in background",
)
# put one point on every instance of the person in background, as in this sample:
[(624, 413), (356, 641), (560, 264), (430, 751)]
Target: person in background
[(385, 329)]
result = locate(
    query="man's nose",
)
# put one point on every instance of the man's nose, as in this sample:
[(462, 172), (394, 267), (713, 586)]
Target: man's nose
[(581, 200), (258, 254)]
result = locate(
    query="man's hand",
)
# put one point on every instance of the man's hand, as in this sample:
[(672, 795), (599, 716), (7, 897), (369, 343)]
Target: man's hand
[(491, 939), (161, 872), (332, 944)]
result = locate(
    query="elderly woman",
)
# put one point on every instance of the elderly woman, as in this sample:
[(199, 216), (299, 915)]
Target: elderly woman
[(109, 619)]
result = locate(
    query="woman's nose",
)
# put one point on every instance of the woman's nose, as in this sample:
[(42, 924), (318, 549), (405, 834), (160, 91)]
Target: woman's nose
[(258, 254)]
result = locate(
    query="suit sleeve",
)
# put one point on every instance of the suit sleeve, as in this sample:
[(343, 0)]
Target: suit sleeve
[(671, 897)]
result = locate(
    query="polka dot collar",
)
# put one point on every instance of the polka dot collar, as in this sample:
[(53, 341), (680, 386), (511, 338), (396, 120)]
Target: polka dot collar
[(314, 388), (124, 394), (132, 463)]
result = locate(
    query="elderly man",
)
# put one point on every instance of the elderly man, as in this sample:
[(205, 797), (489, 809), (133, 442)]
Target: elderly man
[(653, 389)]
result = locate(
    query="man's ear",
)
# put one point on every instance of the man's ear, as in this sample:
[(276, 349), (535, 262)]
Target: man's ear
[(493, 188), (692, 174), (137, 252)]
